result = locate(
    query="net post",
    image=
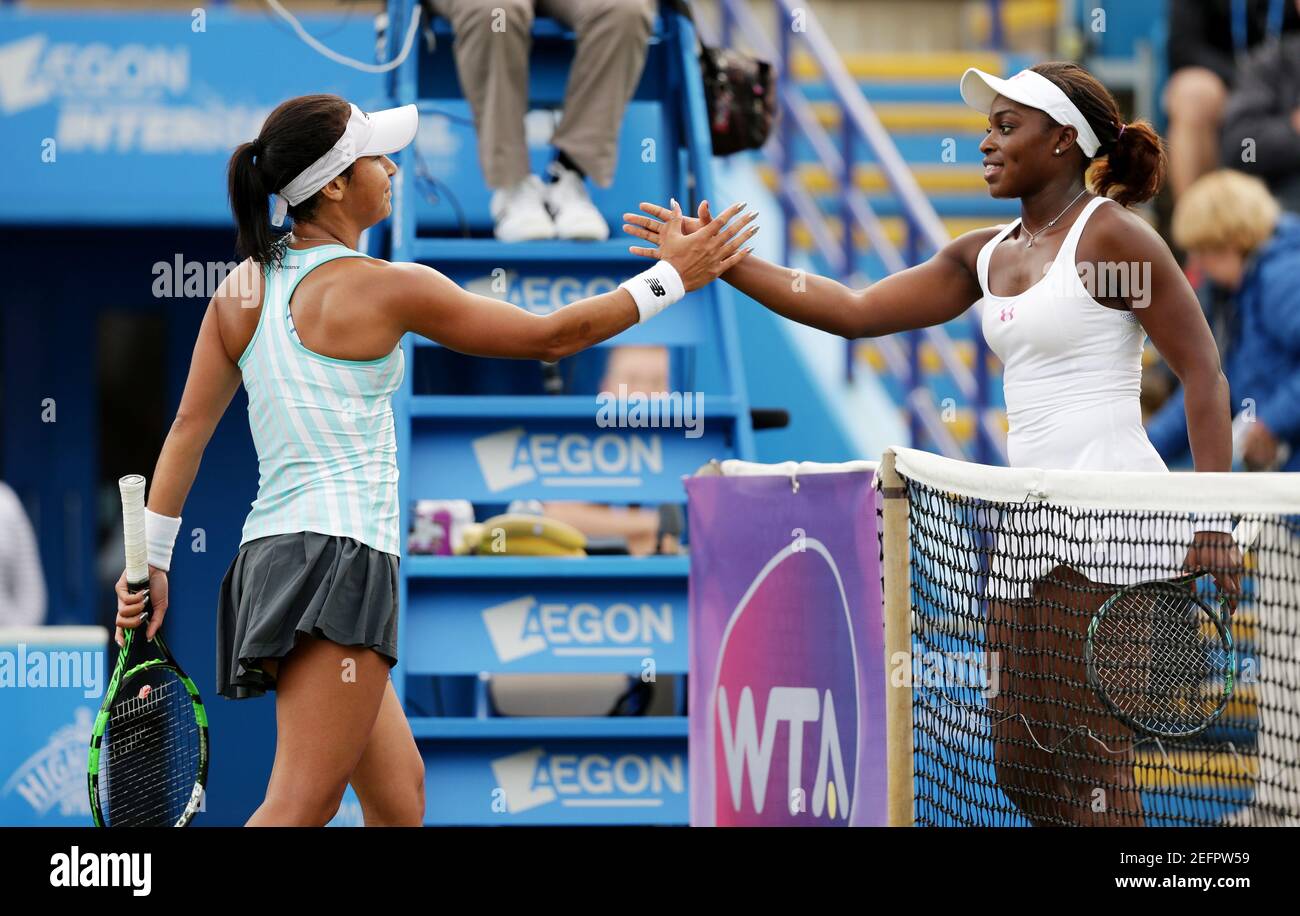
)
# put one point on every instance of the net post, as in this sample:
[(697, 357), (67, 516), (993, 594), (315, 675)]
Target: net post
[(895, 562)]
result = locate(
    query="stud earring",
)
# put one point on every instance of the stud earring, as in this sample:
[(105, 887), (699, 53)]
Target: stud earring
[(1058, 152)]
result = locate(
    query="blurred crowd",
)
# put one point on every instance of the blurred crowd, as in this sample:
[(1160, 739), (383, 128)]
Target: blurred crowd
[(1233, 103)]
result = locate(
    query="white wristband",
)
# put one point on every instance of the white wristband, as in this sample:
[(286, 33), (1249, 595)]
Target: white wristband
[(655, 289), (160, 535)]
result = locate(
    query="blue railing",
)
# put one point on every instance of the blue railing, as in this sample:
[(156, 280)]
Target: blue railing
[(925, 231)]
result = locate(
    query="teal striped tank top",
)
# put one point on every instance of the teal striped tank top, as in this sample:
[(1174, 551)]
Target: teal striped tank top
[(323, 427)]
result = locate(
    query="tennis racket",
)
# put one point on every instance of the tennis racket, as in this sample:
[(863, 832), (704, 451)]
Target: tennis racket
[(1161, 656), (149, 750)]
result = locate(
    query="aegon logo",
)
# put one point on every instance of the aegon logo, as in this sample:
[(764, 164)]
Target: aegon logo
[(513, 457), (524, 627), (29, 78), (539, 294), (800, 767), (532, 778), (121, 99)]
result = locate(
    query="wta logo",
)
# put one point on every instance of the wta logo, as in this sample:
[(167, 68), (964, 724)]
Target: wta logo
[(785, 712)]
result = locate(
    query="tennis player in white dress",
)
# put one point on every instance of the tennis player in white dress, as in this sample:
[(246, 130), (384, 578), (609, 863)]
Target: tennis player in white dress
[(1072, 348)]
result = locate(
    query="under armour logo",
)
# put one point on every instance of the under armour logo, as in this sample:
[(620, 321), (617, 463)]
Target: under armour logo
[(1007, 313), (656, 287)]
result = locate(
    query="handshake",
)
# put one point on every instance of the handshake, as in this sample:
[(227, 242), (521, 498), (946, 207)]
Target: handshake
[(700, 248)]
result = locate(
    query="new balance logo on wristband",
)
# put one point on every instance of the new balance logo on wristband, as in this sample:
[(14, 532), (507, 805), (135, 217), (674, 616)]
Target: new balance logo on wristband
[(662, 288)]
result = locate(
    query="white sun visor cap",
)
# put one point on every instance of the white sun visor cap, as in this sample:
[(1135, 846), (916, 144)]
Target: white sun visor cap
[(376, 134), (1027, 87)]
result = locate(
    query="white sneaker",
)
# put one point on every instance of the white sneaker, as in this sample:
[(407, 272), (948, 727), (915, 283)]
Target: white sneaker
[(520, 212), (576, 217)]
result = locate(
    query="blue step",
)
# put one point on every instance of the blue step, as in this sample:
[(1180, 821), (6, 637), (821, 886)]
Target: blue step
[(532, 615), (491, 460), (530, 772), (624, 727), (490, 251), (521, 407), (427, 567)]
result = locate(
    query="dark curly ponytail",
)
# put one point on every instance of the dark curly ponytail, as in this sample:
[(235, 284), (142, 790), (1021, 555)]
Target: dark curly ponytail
[(293, 136), (1130, 164)]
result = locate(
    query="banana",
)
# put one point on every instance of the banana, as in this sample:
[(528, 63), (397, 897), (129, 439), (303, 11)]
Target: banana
[(561, 534), (527, 545)]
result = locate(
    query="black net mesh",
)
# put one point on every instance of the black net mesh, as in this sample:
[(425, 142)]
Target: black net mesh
[(1008, 729)]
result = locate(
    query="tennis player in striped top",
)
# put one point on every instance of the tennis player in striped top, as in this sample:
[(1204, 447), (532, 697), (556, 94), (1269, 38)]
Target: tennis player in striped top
[(311, 327), (1072, 348)]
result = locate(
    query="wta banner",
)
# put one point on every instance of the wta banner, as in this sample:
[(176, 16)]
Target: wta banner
[(787, 713)]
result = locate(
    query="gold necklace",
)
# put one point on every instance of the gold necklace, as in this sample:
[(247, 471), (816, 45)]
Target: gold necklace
[(1034, 235)]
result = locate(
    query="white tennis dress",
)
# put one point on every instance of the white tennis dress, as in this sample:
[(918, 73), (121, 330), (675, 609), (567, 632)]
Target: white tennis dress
[(1073, 374)]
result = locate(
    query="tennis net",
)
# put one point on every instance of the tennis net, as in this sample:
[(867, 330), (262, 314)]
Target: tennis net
[(993, 579)]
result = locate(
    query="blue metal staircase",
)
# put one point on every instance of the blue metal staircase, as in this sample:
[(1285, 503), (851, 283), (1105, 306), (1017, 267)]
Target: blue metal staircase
[(482, 430)]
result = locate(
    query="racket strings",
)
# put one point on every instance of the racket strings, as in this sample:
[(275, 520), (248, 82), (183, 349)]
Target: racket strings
[(1160, 659), (150, 757), (153, 795)]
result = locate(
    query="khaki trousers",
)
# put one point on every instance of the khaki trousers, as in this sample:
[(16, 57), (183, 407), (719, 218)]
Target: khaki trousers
[(493, 39)]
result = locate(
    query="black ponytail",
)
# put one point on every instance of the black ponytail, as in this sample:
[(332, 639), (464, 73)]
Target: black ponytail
[(294, 135), (248, 204)]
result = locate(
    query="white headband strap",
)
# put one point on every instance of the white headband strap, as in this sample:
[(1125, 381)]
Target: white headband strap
[(1057, 105), (355, 137)]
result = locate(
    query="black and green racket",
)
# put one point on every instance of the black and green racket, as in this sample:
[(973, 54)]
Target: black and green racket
[(1161, 656), (149, 750)]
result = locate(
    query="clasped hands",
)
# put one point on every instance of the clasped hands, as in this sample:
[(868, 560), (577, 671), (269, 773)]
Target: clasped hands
[(701, 248)]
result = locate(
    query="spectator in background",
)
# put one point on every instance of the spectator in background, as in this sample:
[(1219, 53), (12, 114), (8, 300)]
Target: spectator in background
[(22, 584), (1242, 241), (493, 38), (1261, 127), (1207, 39)]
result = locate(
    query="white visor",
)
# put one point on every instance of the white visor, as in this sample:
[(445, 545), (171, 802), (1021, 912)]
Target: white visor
[(375, 134), (979, 89)]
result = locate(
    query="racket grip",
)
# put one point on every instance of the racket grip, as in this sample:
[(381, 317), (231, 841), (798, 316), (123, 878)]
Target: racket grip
[(133, 535)]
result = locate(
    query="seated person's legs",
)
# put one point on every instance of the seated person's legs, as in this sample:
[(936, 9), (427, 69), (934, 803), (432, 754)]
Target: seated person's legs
[(493, 40), (611, 52)]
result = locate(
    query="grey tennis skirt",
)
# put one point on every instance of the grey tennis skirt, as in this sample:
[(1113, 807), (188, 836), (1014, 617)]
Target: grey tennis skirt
[(281, 586)]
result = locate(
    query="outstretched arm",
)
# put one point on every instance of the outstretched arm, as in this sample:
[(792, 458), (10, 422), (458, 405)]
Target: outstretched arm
[(428, 303), (928, 294)]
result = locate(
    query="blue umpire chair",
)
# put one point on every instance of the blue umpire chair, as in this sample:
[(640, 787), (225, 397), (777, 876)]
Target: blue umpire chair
[(485, 431)]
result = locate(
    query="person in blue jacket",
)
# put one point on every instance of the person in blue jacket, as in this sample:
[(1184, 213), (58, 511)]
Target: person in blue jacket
[(1249, 249)]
